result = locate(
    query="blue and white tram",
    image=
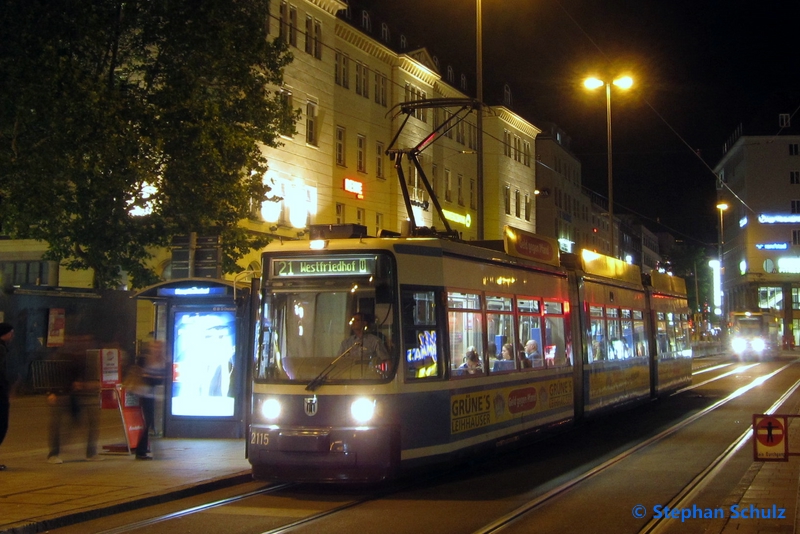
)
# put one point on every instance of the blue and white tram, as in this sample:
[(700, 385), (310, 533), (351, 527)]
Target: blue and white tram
[(458, 322)]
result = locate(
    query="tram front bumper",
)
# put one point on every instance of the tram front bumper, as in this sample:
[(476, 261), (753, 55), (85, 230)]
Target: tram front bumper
[(323, 454)]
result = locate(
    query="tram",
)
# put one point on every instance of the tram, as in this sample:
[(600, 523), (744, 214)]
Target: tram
[(460, 349), (755, 334)]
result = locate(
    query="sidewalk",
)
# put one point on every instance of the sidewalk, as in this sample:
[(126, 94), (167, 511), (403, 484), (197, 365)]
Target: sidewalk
[(36, 496)]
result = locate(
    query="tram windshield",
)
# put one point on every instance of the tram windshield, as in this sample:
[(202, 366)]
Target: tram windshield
[(330, 326)]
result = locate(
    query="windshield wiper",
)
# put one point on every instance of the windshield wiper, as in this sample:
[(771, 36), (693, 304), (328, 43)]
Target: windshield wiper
[(320, 378)]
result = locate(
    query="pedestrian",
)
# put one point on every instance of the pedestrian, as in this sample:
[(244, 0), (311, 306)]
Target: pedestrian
[(6, 335), (78, 398), (152, 363)]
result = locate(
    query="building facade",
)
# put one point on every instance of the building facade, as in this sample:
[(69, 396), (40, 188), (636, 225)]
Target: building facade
[(759, 181)]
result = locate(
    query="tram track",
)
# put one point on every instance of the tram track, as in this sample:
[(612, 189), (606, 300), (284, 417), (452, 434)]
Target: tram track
[(320, 520)]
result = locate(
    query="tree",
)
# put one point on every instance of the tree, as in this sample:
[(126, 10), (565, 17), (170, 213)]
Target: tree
[(111, 108)]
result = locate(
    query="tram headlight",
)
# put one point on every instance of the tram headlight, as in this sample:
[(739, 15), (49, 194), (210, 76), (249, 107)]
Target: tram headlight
[(362, 410), (738, 344), (758, 344), (271, 408)]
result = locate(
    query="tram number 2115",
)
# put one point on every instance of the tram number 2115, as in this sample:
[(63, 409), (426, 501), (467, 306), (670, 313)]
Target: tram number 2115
[(259, 438)]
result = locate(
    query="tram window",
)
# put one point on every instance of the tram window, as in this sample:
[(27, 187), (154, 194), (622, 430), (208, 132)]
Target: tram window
[(556, 346), (553, 308), (466, 332), (420, 334), (640, 346), (528, 305), (638, 314), (615, 347), (500, 334), (466, 301), (494, 303), (596, 346), (530, 330)]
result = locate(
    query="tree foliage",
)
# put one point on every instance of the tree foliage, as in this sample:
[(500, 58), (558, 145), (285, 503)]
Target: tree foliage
[(104, 100)]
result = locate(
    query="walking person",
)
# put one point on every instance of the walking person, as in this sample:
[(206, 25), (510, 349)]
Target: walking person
[(6, 335), (152, 375)]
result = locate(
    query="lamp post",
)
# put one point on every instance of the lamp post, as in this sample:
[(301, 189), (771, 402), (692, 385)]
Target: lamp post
[(722, 206), (479, 125), (625, 82)]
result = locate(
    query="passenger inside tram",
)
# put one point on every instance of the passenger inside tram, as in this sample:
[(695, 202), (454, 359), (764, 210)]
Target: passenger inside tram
[(472, 362)]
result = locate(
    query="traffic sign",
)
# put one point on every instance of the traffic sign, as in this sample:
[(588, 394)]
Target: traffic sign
[(771, 441)]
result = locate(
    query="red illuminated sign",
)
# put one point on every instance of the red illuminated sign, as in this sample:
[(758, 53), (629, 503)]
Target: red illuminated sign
[(354, 186)]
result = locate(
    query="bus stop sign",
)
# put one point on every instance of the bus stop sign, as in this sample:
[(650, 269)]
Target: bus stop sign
[(771, 442)]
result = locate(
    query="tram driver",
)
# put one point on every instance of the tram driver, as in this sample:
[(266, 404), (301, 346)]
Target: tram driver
[(364, 345)]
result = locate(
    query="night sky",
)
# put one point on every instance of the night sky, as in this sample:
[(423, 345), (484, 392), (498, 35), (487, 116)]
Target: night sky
[(700, 68)]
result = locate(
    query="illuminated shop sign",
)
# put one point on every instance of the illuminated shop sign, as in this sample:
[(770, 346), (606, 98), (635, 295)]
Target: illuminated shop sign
[(325, 266), (743, 222), (766, 218), (772, 246), (354, 186), (465, 219), (191, 291)]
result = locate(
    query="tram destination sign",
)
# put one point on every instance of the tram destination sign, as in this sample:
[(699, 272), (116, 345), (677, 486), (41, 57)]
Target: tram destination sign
[(323, 266)]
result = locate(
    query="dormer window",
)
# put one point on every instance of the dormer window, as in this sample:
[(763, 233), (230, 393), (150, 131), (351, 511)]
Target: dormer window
[(784, 120), (385, 35), (436, 62), (463, 82), (403, 42), (507, 100), (450, 75), (366, 22)]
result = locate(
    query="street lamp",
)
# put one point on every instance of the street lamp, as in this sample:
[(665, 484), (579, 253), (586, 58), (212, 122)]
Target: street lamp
[(479, 125), (722, 206), (625, 82)]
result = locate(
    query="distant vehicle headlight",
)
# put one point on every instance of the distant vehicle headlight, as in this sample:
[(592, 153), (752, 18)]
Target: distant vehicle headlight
[(738, 344), (758, 344), (362, 410), (271, 408)]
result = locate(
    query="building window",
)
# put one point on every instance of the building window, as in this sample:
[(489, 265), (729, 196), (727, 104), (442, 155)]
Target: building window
[(311, 123), (460, 189), (309, 34), (21, 273), (770, 297), (795, 206), (413, 94), (794, 177), (784, 120), (517, 203), (472, 136), (792, 149), (385, 35), (526, 153), (380, 89), (507, 200), (796, 237), (366, 22), (527, 207), (361, 153), (506, 143), (450, 74), (342, 75), (318, 39), (360, 216), (340, 146), (378, 223), (448, 186), (403, 42), (339, 213), (286, 127), (362, 79), (379, 160), (289, 23), (464, 82), (447, 116), (472, 193)]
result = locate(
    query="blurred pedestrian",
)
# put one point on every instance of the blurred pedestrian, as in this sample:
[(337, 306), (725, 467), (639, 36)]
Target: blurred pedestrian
[(78, 398), (153, 363), (6, 335)]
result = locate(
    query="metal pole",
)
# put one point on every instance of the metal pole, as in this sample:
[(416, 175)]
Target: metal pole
[(479, 147), (722, 302), (610, 178)]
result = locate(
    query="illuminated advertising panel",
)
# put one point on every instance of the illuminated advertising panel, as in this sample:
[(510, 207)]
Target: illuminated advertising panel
[(203, 362), (314, 266)]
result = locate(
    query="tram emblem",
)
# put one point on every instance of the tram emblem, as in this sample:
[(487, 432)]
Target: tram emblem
[(311, 405)]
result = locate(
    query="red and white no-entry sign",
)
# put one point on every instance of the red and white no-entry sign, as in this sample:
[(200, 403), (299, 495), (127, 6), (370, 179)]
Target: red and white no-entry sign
[(771, 442)]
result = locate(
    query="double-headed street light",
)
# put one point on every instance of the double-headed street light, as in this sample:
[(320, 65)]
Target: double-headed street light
[(625, 82)]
